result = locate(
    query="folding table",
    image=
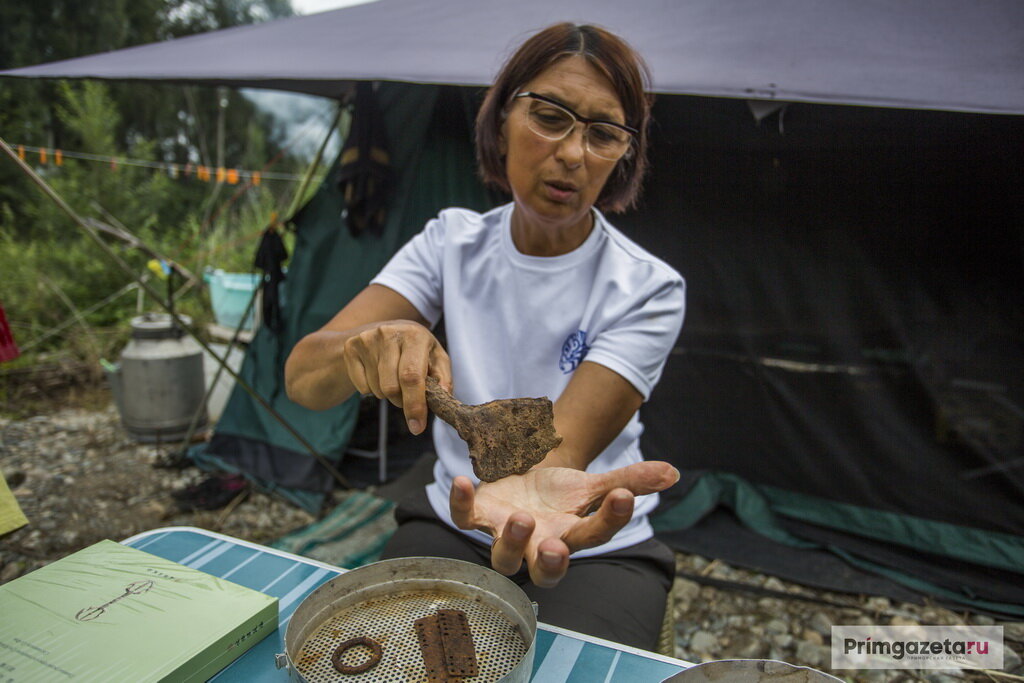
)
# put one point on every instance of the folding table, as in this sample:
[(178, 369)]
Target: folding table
[(561, 655)]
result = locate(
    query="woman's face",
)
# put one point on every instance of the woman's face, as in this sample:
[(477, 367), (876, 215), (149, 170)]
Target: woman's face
[(554, 183)]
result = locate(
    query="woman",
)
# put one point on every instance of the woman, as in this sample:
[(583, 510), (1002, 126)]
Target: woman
[(540, 297)]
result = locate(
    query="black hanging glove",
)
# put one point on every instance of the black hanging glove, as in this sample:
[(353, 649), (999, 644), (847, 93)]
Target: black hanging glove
[(366, 179), (270, 256)]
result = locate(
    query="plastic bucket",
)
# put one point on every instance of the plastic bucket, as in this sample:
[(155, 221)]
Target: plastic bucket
[(230, 294)]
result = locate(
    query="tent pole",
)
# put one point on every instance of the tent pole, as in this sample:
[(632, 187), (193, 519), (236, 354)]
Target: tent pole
[(221, 364), (117, 229), (80, 222), (75, 313), (297, 197), (73, 319)]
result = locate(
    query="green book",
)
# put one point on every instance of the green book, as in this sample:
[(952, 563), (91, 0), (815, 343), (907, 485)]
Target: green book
[(114, 613)]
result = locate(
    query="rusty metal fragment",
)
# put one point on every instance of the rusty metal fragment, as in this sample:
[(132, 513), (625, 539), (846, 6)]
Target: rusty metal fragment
[(459, 652), (505, 437), (428, 632), (352, 669), (447, 646)]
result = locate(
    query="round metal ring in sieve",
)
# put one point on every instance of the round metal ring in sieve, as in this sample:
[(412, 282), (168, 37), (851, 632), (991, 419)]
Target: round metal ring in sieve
[(338, 658), (389, 620)]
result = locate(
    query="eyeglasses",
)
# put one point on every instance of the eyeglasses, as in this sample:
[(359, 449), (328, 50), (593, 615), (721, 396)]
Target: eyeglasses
[(554, 121)]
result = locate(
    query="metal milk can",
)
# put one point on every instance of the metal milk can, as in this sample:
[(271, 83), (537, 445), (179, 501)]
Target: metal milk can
[(159, 384)]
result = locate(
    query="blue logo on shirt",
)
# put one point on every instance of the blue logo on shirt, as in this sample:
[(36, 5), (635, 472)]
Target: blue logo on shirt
[(574, 350)]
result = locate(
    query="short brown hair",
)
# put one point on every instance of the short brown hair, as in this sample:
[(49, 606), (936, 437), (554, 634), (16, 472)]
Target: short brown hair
[(610, 55)]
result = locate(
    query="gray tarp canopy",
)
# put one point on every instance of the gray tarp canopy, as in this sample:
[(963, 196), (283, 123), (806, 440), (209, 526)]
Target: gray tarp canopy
[(956, 55)]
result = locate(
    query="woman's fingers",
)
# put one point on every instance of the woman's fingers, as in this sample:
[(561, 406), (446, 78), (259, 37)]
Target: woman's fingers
[(546, 560), (615, 512), (362, 355), (441, 366), (391, 361), (461, 501), (389, 355), (354, 366), (549, 564), (508, 549), (411, 371), (401, 367), (617, 490), (640, 478)]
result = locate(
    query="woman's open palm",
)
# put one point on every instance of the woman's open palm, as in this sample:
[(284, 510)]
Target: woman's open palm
[(544, 515)]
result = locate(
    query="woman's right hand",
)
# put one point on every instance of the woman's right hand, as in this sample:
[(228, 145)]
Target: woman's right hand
[(377, 344), (391, 360)]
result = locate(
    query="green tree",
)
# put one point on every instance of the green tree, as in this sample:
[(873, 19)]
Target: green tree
[(184, 122), (57, 267), (49, 267)]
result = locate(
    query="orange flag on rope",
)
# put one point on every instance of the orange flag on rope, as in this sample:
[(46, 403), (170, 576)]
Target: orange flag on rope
[(58, 157), (256, 178), (220, 174), (42, 156), (21, 152), (232, 176)]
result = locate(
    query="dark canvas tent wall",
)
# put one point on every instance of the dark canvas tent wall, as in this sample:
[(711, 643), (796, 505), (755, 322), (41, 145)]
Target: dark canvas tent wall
[(851, 372), (849, 376)]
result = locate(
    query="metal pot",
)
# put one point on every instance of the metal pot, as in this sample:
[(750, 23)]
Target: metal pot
[(382, 601), (159, 384)]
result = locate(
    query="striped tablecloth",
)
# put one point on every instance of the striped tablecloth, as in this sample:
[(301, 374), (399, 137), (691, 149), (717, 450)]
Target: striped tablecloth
[(561, 655)]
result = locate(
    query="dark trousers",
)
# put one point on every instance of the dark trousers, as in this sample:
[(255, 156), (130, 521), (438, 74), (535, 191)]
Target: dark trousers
[(619, 596)]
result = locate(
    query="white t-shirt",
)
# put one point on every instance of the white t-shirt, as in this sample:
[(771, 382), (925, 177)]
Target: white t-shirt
[(518, 326)]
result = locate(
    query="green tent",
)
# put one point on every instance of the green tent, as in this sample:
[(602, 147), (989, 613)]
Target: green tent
[(429, 140)]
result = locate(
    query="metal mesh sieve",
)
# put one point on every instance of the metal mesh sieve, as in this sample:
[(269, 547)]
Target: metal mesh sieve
[(389, 621), (383, 601)]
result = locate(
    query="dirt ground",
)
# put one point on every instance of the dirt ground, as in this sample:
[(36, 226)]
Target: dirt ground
[(80, 479)]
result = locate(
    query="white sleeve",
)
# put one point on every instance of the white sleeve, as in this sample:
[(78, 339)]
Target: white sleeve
[(415, 271), (638, 344)]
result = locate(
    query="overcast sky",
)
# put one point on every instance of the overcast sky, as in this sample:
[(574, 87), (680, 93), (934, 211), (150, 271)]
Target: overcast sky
[(304, 116)]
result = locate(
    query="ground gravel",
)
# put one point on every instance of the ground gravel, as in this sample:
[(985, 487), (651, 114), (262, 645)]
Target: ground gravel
[(79, 479), (794, 623)]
